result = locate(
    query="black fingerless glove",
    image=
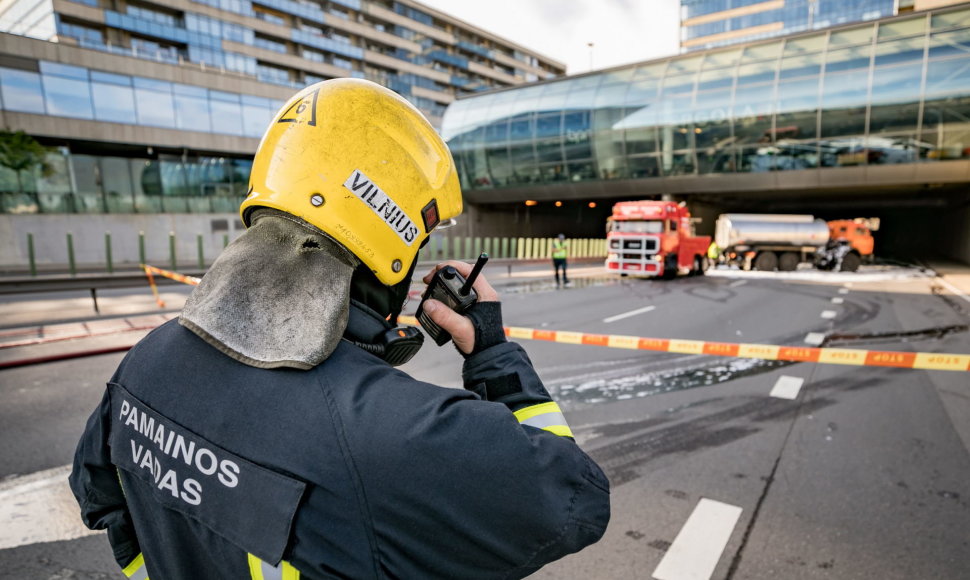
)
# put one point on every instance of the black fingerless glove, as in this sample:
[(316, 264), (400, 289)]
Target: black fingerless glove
[(486, 317)]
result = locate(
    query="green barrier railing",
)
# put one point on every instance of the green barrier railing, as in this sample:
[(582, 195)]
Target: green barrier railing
[(439, 248)]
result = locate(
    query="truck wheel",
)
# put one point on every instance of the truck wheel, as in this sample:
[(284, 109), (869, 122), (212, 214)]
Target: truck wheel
[(850, 262), (670, 267), (766, 262), (788, 262), (700, 265)]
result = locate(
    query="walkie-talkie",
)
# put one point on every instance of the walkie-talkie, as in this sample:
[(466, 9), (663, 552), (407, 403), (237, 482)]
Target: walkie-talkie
[(454, 291)]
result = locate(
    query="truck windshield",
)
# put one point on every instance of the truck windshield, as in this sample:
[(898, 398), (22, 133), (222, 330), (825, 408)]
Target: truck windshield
[(639, 227)]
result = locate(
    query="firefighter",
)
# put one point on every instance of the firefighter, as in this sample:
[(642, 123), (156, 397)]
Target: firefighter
[(265, 433), (560, 251)]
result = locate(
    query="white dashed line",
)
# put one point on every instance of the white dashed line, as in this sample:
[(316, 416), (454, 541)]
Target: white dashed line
[(838, 300), (787, 387), (814, 338), (828, 314), (628, 314), (700, 543), (737, 283), (843, 290), (952, 288)]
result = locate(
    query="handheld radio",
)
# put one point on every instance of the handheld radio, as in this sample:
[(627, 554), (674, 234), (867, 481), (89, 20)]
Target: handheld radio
[(454, 291)]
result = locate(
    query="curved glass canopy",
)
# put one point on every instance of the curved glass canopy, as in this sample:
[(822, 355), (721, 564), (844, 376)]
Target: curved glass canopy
[(887, 92)]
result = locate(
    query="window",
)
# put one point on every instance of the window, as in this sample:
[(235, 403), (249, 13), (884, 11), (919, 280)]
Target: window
[(81, 32), (21, 91), (153, 101), (226, 113), (638, 227), (265, 72), (269, 44), (192, 110), (113, 102), (152, 15), (68, 97)]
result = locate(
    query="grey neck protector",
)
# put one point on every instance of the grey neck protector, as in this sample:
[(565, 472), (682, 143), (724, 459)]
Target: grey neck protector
[(278, 296)]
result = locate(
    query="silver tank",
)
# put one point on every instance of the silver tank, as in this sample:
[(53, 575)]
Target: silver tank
[(745, 229)]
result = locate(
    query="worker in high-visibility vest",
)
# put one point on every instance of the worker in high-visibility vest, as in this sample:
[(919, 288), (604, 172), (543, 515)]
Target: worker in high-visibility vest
[(265, 433), (560, 252), (713, 253)]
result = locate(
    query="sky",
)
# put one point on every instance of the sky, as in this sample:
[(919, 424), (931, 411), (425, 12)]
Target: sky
[(622, 31)]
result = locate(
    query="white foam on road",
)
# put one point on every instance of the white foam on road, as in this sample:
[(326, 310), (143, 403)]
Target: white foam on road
[(864, 274), (629, 314), (700, 543), (787, 387), (814, 338), (39, 508)]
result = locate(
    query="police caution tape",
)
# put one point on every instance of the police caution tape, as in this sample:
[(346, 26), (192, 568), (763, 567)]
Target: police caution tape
[(150, 270), (836, 356)]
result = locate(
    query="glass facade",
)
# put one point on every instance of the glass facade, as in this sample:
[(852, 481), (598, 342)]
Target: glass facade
[(713, 23), (331, 32), (80, 183), (76, 92), (879, 93)]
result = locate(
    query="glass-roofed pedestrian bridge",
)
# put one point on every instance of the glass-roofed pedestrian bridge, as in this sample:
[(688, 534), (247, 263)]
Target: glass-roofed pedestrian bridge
[(882, 103)]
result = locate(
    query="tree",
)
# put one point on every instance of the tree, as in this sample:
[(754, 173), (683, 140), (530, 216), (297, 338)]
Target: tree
[(20, 151)]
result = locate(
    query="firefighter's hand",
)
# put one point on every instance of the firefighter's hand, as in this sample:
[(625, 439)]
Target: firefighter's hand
[(481, 326)]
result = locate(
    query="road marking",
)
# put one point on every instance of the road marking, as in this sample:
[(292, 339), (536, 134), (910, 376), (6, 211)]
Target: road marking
[(39, 508), (953, 288), (838, 300), (629, 314), (787, 387), (737, 283), (843, 290), (828, 314), (700, 543), (814, 338)]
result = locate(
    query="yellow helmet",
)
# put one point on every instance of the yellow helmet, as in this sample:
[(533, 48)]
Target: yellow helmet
[(363, 165)]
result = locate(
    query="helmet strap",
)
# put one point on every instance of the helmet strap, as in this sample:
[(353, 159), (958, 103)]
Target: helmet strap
[(388, 301)]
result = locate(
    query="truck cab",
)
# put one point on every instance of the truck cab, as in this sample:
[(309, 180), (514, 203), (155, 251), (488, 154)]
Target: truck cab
[(654, 238), (856, 233)]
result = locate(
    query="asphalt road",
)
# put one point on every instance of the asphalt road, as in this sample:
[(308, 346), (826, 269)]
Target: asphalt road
[(865, 473)]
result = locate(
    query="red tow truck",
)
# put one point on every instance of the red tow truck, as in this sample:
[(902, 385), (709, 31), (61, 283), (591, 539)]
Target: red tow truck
[(654, 238)]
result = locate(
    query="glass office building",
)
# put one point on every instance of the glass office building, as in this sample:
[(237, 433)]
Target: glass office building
[(713, 23), (149, 107), (883, 102)]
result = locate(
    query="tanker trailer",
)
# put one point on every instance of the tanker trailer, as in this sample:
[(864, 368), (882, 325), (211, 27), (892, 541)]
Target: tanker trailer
[(780, 241)]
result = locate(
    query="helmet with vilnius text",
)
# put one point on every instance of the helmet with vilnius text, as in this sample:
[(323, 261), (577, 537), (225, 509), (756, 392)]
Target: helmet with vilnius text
[(361, 164)]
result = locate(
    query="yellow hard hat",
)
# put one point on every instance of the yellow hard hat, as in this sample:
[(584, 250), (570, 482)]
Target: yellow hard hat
[(363, 165)]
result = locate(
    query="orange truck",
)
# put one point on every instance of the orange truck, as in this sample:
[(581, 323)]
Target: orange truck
[(769, 242), (654, 238)]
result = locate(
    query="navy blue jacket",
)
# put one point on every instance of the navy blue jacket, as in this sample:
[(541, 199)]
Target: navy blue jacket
[(200, 466)]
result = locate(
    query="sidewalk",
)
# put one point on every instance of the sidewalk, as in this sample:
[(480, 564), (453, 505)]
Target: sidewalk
[(954, 276), (125, 320)]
